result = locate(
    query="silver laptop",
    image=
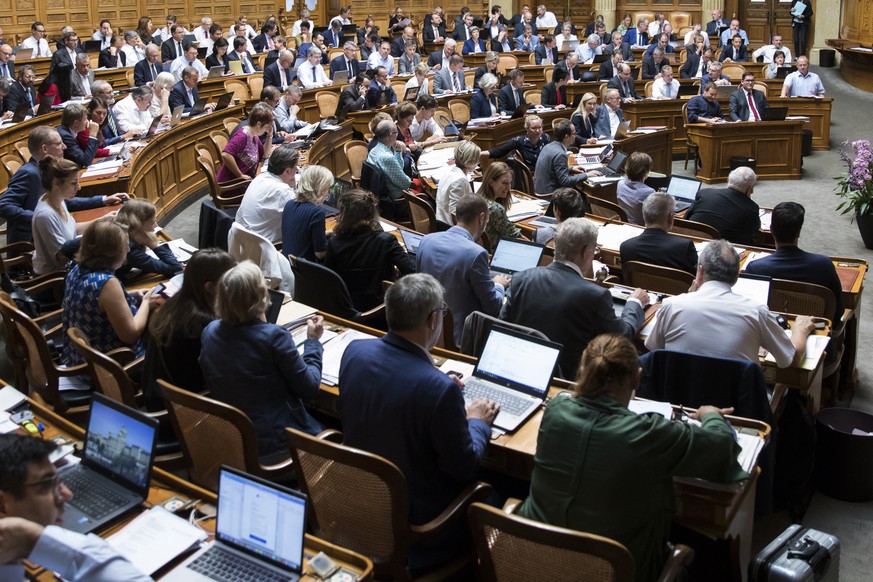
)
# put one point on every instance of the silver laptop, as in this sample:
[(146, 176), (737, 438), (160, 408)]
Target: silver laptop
[(113, 476), (411, 240), (259, 533), (725, 91), (684, 190), (569, 45), (515, 370), (598, 158), (215, 72), (23, 54), (754, 287), (514, 255), (341, 77), (176, 118)]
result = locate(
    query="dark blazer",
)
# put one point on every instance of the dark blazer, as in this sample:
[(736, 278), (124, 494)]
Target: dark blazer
[(627, 54), (549, 95), (518, 30), (329, 39), (729, 211), (212, 61), (106, 60), (479, 105), (541, 52), (658, 247), (168, 50), (143, 72), (337, 64), (728, 51), (577, 70), (481, 71), (20, 199), (713, 27), (585, 130), (374, 93), (470, 47), (689, 69), (11, 70), (739, 106), (62, 56), (397, 46), (427, 31), (234, 56), (260, 43), (435, 58), (460, 33), (505, 99), (272, 76), (651, 68), (17, 94), (499, 48), (109, 136), (607, 71), (350, 100), (74, 152), (179, 96), (585, 307), (625, 91)]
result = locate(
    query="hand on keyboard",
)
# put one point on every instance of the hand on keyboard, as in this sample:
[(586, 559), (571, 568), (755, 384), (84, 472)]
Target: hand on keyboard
[(483, 409)]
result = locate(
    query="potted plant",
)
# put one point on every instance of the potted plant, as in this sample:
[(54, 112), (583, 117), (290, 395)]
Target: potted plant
[(856, 187)]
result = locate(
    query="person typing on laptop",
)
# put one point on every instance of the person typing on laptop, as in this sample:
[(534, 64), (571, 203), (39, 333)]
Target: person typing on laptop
[(31, 509)]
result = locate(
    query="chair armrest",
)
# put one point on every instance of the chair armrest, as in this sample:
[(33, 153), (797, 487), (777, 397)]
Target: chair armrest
[(52, 318), (278, 469), (21, 246), (457, 509), (679, 560), (134, 366), (332, 435), (233, 184), (368, 315), (511, 505), (73, 370), (122, 355), (47, 282), (160, 415)]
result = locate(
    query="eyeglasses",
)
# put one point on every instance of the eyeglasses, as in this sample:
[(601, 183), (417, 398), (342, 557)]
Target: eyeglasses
[(49, 484), (441, 310)]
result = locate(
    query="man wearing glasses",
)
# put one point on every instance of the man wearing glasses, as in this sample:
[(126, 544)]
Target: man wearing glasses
[(37, 41), (747, 103), (31, 510)]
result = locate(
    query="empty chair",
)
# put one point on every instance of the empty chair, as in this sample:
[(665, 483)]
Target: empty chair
[(460, 110), (695, 229), (656, 278), (319, 287), (239, 88), (327, 102), (244, 244), (606, 209), (356, 152), (256, 84), (421, 213)]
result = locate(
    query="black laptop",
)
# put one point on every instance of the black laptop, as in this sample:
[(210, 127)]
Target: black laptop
[(224, 101), (113, 476), (92, 46), (774, 114), (684, 190), (21, 112), (615, 167), (45, 105), (520, 110), (198, 108), (782, 72)]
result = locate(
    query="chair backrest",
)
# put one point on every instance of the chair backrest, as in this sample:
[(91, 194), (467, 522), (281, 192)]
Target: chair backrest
[(205, 151), (656, 278), (129, 75), (356, 152), (733, 70), (244, 244), (23, 150), (603, 89), (359, 501), (11, 163), (230, 124), (506, 63), (761, 86), (469, 77), (238, 87), (534, 97), (801, 298), (327, 102), (422, 215), (317, 286), (220, 139), (511, 547), (373, 179), (398, 86), (523, 179), (208, 168), (649, 86), (110, 378), (256, 84), (460, 110), (211, 434), (693, 228), (606, 209)]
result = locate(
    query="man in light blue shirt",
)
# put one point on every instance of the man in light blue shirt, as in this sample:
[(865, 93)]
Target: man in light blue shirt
[(389, 160), (587, 51), (188, 59), (731, 31), (382, 58), (802, 83)]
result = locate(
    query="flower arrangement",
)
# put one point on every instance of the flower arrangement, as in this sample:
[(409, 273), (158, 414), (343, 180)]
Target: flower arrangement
[(856, 186)]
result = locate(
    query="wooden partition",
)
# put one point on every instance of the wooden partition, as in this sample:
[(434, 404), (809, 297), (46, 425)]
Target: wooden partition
[(16, 132)]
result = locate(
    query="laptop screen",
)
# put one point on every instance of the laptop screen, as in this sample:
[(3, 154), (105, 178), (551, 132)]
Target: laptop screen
[(754, 287), (682, 188), (120, 442), (617, 161), (512, 256), (411, 240), (264, 519), (511, 359)]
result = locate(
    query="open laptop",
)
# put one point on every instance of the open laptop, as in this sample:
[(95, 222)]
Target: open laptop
[(513, 255), (92, 46), (197, 109), (21, 112), (113, 477), (621, 131), (411, 240), (774, 114), (725, 91), (684, 190), (520, 111), (277, 298), (688, 90), (515, 370), (754, 287), (45, 105), (569, 45), (23, 54), (259, 533), (411, 93), (601, 58), (615, 167), (224, 101), (596, 159), (153, 127), (782, 72), (215, 72), (341, 77), (176, 117)]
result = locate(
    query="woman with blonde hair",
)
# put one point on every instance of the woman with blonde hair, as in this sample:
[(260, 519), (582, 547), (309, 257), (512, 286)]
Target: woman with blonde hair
[(455, 184), (419, 79), (303, 233), (139, 216), (496, 186), (160, 105), (585, 119)]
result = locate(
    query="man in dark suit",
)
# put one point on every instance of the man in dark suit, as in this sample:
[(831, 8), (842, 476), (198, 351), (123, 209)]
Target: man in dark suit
[(148, 69), (418, 420), (264, 42), (554, 94), (7, 66), (656, 245), (511, 95), (747, 103), (22, 90), (66, 55), (354, 97), (730, 210), (333, 36), (74, 119), (638, 36), (546, 51), (716, 25), (526, 20), (652, 64), (239, 53), (696, 65), (462, 32), (112, 57), (609, 115), (619, 46), (609, 69), (624, 84), (586, 309), (172, 49), (278, 74), (434, 30), (398, 45), (440, 59), (380, 92), (737, 52), (569, 65), (185, 91)]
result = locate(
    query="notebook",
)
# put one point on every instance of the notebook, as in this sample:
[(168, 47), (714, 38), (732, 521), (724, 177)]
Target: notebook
[(684, 190), (520, 111), (235, 67), (45, 105), (754, 287), (515, 370), (411, 240), (782, 72), (259, 533), (514, 255), (113, 476)]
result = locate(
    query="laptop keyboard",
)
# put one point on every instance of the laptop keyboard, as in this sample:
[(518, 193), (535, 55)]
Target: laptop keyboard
[(219, 564), (92, 498), (514, 405)]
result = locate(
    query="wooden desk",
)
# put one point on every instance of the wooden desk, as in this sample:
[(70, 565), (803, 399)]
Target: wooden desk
[(166, 485), (309, 111), (775, 145), (115, 77), (327, 151), (40, 66)]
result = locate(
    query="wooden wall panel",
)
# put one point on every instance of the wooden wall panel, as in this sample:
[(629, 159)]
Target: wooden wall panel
[(857, 21)]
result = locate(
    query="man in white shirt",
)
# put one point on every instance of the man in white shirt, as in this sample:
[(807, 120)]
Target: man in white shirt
[(767, 51), (345, 15), (215, 32), (382, 58), (239, 53), (665, 86), (732, 31), (304, 17), (241, 28), (37, 41), (132, 112), (310, 73), (695, 31), (188, 59), (103, 34), (133, 48), (201, 33), (238, 31), (545, 19), (266, 196), (656, 26)]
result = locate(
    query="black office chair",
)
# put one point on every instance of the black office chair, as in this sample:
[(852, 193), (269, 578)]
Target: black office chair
[(317, 286)]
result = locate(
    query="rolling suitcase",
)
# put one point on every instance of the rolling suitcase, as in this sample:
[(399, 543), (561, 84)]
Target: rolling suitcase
[(798, 554)]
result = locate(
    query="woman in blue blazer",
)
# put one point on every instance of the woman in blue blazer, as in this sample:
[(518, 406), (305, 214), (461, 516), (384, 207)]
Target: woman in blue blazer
[(484, 101), (471, 44)]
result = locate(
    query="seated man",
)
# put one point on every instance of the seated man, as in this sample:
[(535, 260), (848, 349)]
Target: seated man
[(310, 73), (388, 160), (266, 196), (665, 86), (656, 245), (188, 59), (530, 145), (382, 58), (730, 210), (715, 76), (609, 115), (353, 97), (736, 52), (586, 308), (511, 96), (802, 83), (554, 94), (705, 107), (31, 510), (792, 263), (380, 92), (589, 50), (747, 103), (569, 65), (551, 171), (451, 79), (624, 83), (714, 321), (185, 91), (653, 63), (438, 60), (461, 265), (416, 417), (733, 30)]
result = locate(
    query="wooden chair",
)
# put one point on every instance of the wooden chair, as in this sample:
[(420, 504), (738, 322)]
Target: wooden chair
[(422, 214), (206, 152), (656, 278), (534, 96), (327, 102), (460, 110), (322, 288), (649, 86), (469, 77), (761, 86), (256, 85), (443, 117), (695, 229), (512, 548), (506, 63), (23, 150), (523, 179), (356, 152), (691, 147), (11, 163), (220, 190), (213, 434), (230, 124), (239, 88), (733, 70), (129, 75), (606, 209), (398, 86), (219, 139), (361, 501)]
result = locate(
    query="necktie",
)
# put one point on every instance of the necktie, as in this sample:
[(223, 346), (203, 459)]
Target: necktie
[(282, 77), (112, 125), (30, 97), (178, 49), (245, 66), (154, 69), (349, 65), (558, 95), (314, 80), (455, 83), (270, 42), (752, 105), (515, 94)]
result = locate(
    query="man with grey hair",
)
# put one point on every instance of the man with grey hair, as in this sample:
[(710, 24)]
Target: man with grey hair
[(132, 113), (133, 48), (81, 76), (201, 33), (267, 195), (278, 73), (440, 59), (310, 73), (585, 308), (389, 161), (415, 415), (730, 210), (589, 50), (712, 320), (348, 61), (655, 245), (286, 109), (148, 69)]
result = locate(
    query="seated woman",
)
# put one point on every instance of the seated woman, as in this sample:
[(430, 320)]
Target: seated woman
[(492, 59), (566, 203), (455, 184), (173, 346), (55, 84), (496, 184), (139, 216), (403, 115), (161, 88), (98, 112), (95, 300), (218, 58), (633, 190), (483, 103), (266, 377), (778, 61), (618, 481), (73, 120), (303, 218), (585, 120), (361, 252), (419, 79), (409, 59), (245, 151), (473, 44)]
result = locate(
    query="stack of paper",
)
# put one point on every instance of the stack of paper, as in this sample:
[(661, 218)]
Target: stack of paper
[(753, 256), (181, 250), (523, 209), (611, 236), (665, 409), (9, 399), (103, 169), (750, 448), (333, 354), (154, 538)]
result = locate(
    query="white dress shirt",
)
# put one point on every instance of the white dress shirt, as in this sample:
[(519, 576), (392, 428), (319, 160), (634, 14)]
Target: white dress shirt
[(311, 75), (547, 20), (376, 60), (413, 82), (250, 32), (767, 52), (134, 54), (178, 65), (417, 130), (661, 89), (40, 47), (105, 41), (200, 34), (261, 208), (129, 117)]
